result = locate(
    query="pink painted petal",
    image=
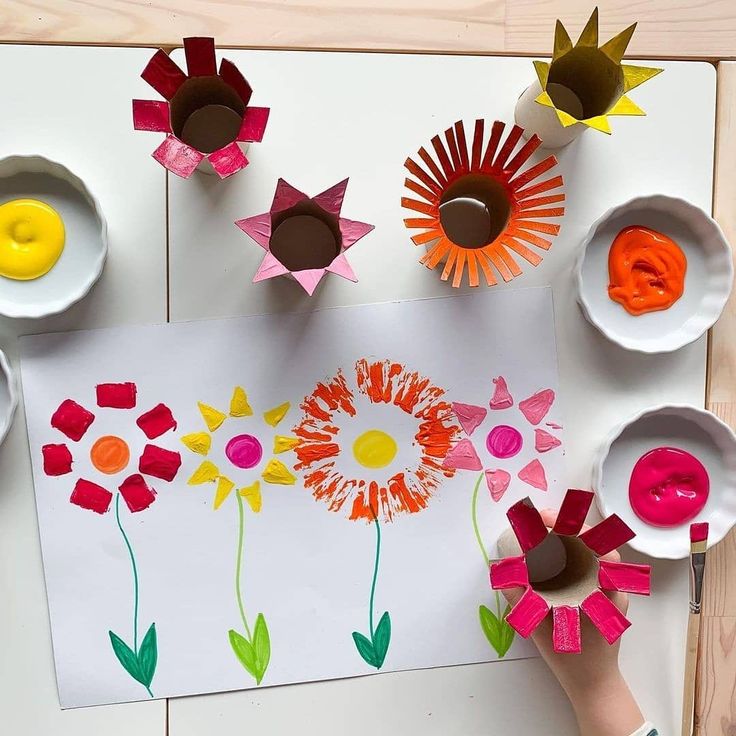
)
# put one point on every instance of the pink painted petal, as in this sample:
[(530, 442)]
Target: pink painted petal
[(228, 160), (627, 577), (230, 74), (331, 199), (535, 408), (151, 115), (254, 124), (270, 267), (510, 572), (257, 227), (309, 278), (566, 637), (533, 475), (470, 416), (498, 481), (341, 267), (462, 457), (527, 524), (163, 74), (136, 493), (574, 509), (286, 196), (501, 398), (352, 231), (544, 441), (608, 535), (528, 613), (178, 157), (605, 616), (200, 56)]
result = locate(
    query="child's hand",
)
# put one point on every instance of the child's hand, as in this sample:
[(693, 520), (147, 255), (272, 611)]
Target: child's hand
[(603, 703)]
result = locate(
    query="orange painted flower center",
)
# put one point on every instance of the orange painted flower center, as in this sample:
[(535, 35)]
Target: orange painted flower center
[(110, 454)]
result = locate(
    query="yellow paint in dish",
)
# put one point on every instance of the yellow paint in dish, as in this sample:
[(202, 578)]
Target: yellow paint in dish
[(374, 449), (31, 239)]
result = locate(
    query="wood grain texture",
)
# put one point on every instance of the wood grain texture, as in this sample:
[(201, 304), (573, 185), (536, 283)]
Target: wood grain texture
[(715, 707)]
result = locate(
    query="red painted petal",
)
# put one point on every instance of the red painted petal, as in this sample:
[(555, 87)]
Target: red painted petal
[(151, 115), (527, 524), (200, 56), (605, 616), (528, 613), (159, 462), (574, 509), (628, 577), (228, 160), (137, 493), (254, 124), (566, 636), (90, 496), (610, 534), (230, 74), (331, 199), (72, 419), (57, 460), (510, 572), (178, 157), (156, 421), (116, 395), (163, 74)]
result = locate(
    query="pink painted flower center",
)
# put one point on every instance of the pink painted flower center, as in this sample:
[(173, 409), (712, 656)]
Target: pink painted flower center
[(244, 451), (504, 441)]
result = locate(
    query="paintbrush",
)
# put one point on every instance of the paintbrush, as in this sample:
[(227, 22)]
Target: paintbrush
[(698, 546)]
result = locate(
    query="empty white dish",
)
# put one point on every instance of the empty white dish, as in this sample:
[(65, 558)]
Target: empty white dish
[(688, 428), (8, 396), (708, 279), (85, 249)]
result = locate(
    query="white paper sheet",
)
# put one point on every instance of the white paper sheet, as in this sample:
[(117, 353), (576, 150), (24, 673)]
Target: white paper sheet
[(307, 568)]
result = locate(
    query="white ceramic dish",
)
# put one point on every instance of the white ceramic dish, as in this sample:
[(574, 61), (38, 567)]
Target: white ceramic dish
[(8, 396), (686, 427), (85, 250), (708, 281)]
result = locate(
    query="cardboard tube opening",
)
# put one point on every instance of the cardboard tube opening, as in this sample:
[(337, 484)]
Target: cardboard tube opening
[(206, 113), (474, 211), (303, 238), (585, 82)]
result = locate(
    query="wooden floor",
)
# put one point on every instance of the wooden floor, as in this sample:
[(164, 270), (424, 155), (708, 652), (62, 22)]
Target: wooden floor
[(694, 29)]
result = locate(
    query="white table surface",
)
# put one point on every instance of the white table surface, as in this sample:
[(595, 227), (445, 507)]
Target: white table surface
[(380, 108)]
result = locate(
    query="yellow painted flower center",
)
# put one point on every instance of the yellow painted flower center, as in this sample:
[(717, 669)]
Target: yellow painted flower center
[(374, 449)]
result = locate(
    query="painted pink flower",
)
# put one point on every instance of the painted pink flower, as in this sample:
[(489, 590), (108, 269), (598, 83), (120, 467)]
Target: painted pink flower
[(594, 574), (504, 440), (110, 454)]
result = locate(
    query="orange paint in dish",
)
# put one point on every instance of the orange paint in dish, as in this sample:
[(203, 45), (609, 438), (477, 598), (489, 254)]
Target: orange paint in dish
[(646, 270)]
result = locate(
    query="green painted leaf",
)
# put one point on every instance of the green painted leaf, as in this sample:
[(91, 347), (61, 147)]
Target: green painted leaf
[(499, 634), (365, 648), (381, 639), (244, 652), (508, 633), (148, 655), (126, 657), (261, 647)]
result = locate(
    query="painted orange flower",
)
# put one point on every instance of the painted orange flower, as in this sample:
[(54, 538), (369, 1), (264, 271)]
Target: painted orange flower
[(374, 480), (506, 207)]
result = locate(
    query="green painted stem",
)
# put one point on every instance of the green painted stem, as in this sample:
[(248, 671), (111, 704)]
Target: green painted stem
[(239, 565), (375, 574), (474, 515), (135, 577)]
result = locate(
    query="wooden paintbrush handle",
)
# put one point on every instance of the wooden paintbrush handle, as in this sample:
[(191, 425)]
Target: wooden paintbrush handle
[(691, 664)]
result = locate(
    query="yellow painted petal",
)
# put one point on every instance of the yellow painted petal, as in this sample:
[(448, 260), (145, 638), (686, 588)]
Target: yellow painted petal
[(275, 415), (283, 444), (205, 473), (616, 47), (239, 406), (563, 44), (542, 69), (224, 486), (213, 418), (636, 75), (599, 122), (589, 36), (626, 106), (252, 494), (277, 473), (199, 442)]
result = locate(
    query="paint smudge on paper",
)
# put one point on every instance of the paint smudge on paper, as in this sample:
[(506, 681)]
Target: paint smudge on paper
[(72, 419)]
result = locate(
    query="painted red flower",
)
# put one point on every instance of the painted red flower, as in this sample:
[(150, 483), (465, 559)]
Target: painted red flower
[(110, 454)]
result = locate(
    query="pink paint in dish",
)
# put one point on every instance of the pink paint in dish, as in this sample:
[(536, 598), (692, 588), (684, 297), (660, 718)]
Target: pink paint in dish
[(244, 451), (504, 441), (668, 487)]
